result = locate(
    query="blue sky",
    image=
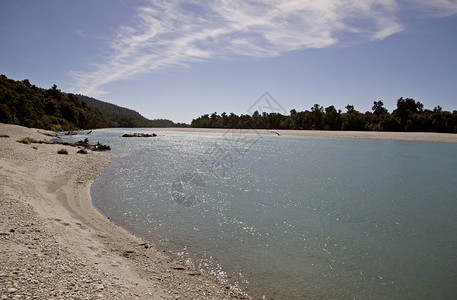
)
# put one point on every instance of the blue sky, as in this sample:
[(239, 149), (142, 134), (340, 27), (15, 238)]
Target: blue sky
[(181, 59)]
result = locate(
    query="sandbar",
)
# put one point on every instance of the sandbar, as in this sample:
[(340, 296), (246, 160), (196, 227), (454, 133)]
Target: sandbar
[(379, 135)]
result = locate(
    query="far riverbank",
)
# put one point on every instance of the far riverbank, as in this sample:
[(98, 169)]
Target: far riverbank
[(380, 135)]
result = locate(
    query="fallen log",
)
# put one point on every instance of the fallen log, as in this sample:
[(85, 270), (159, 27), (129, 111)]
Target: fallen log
[(85, 144)]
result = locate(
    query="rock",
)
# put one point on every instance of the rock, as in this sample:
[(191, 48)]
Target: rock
[(12, 290), (128, 253), (100, 147), (82, 151), (139, 135)]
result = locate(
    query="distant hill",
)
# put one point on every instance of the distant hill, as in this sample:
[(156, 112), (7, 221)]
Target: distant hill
[(24, 104), (111, 110), (124, 116)]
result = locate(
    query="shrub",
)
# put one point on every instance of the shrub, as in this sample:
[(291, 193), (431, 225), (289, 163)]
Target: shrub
[(27, 140), (33, 147), (62, 151)]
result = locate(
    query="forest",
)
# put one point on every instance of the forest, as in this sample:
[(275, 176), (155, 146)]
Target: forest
[(24, 104), (409, 115)]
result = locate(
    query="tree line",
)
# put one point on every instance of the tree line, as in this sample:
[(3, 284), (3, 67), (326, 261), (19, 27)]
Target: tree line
[(24, 104), (409, 115)]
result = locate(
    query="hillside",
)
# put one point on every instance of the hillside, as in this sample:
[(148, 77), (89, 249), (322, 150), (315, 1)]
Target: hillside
[(24, 104), (109, 109), (124, 116)]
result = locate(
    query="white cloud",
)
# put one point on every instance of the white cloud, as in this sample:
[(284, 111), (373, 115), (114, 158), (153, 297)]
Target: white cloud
[(178, 32)]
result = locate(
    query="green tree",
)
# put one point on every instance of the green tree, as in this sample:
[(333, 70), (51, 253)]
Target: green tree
[(352, 119), (317, 113), (378, 108), (332, 118), (5, 114), (406, 108)]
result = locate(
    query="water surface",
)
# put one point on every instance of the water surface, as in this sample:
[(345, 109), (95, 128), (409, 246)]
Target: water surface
[(293, 217)]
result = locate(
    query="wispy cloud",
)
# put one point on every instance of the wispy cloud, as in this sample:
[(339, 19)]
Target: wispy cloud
[(176, 33), (432, 8)]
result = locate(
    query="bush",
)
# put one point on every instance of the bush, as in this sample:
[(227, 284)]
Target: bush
[(33, 147), (27, 141), (62, 151)]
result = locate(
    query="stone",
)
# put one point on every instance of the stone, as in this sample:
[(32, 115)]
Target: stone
[(82, 151)]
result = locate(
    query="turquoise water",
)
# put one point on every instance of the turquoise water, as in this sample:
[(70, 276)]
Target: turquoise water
[(292, 217)]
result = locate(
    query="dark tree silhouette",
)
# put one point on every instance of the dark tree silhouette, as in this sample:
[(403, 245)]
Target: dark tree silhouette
[(409, 115), (378, 108)]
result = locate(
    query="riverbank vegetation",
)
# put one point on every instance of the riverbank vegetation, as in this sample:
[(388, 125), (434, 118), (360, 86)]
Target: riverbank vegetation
[(409, 115)]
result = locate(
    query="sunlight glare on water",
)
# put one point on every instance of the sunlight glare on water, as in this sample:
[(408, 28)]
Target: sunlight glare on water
[(293, 217)]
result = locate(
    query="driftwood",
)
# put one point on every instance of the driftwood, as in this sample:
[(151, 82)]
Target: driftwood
[(84, 143), (140, 135)]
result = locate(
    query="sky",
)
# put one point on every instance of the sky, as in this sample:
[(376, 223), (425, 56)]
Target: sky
[(179, 60)]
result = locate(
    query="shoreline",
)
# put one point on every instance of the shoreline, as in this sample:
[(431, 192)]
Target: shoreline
[(378, 135), (55, 243)]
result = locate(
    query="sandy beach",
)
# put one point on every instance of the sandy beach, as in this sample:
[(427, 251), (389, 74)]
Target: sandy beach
[(54, 244)]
